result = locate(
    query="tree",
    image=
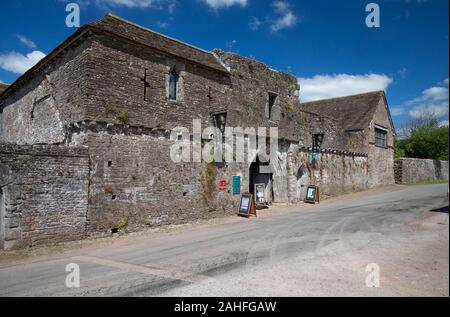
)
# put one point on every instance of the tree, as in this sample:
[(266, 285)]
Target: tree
[(400, 148), (427, 140)]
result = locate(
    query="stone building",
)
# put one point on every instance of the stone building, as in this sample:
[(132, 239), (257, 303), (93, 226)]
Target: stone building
[(3, 87), (86, 137)]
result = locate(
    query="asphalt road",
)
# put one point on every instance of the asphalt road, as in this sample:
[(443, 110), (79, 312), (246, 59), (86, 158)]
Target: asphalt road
[(320, 250)]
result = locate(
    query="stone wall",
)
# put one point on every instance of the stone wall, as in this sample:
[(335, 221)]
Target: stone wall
[(409, 170), (335, 172), (381, 160), (38, 111), (118, 94), (252, 84), (44, 193), (135, 184)]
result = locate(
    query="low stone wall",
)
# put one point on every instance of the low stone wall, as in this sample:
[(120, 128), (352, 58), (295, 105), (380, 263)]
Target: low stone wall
[(44, 194), (408, 170), (335, 172)]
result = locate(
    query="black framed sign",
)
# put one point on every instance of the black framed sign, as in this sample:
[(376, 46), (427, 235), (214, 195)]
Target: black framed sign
[(312, 195), (247, 206)]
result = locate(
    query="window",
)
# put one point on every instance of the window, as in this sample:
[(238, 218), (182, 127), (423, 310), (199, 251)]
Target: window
[(318, 140), (173, 85), (380, 137), (272, 101)]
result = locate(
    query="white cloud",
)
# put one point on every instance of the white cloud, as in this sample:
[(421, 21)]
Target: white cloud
[(331, 86), (432, 94), (444, 123), (428, 108), (218, 4), (254, 24), (397, 111), (26, 41), (162, 25), (19, 63), (286, 18), (433, 101), (132, 3), (126, 3)]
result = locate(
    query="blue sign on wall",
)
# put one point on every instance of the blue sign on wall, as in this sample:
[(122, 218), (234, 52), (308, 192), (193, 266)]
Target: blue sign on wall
[(236, 185)]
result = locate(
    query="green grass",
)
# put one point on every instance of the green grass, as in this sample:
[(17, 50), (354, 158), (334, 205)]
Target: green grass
[(426, 183)]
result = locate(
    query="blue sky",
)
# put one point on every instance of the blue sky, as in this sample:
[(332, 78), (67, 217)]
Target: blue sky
[(325, 43)]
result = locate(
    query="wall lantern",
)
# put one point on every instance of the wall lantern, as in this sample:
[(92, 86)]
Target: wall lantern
[(318, 140), (220, 121)]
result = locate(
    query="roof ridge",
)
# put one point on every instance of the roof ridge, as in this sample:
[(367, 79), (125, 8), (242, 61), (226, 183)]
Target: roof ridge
[(343, 97), (155, 32)]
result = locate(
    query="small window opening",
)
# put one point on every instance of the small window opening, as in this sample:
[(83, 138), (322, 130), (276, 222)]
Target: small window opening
[(272, 101), (173, 84), (146, 84)]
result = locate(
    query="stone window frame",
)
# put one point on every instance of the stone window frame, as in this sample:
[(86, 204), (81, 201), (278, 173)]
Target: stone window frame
[(273, 110), (179, 69), (378, 130), (174, 80)]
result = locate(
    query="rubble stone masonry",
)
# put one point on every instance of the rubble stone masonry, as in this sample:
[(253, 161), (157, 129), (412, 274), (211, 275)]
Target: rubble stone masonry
[(44, 193)]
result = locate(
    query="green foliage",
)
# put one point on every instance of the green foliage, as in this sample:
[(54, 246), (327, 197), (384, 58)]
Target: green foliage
[(429, 141), (122, 117), (122, 223), (208, 183), (400, 149), (109, 108)]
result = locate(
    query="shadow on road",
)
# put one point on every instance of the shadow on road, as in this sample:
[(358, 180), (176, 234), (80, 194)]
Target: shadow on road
[(442, 210)]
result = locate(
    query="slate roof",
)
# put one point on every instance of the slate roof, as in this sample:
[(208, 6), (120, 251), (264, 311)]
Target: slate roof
[(352, 112), (114, 25), (3, 87)]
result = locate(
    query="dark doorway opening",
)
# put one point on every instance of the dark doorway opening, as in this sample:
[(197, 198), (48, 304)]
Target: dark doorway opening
[(260, 173)]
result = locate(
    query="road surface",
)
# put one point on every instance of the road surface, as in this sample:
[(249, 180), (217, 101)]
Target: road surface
[(306, 250)]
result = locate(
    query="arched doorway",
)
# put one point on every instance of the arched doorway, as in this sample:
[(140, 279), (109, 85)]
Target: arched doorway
[(261, 173), (302, 182)]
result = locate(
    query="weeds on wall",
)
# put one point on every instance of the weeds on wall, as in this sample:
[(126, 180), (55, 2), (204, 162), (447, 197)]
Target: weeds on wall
[(208, 184), (121, 117)]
